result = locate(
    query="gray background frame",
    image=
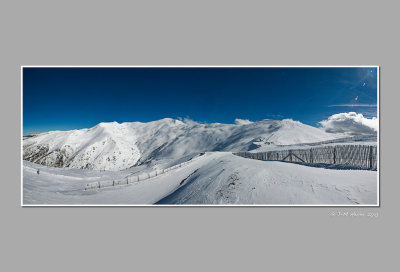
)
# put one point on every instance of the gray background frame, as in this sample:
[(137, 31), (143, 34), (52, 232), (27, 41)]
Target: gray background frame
[(197, 33)]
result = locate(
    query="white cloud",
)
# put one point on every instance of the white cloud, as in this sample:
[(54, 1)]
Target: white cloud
[(351, 123), (189, 121), (242, 121)]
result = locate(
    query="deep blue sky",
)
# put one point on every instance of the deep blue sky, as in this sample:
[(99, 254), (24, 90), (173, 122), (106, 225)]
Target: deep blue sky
[(73, 98)]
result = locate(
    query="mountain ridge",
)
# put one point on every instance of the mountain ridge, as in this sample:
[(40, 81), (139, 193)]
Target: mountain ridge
[(116, 146)]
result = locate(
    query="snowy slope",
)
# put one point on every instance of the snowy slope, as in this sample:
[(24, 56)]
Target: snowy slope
[(106, 146), (114, 146), (216, 178), (227, 179)]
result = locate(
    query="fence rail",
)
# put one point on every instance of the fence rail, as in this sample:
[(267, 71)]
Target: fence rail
[(359, 156), (135, 178)]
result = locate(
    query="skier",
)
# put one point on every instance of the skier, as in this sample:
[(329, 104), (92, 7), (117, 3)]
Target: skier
[(38, 171)]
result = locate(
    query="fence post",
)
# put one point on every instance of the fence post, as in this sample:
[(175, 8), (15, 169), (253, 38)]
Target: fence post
[(334, 155), (370, 157), (311, 156)]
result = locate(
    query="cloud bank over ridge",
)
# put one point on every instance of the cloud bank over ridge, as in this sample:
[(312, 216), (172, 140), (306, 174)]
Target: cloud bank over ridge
[(239, 121), (350, 123)]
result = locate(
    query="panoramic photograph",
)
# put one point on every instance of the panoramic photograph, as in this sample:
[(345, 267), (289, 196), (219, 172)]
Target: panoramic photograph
[(163, 136)]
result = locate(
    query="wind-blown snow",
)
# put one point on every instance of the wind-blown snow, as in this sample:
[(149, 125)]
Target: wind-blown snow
[(242, 121), (114, 146)]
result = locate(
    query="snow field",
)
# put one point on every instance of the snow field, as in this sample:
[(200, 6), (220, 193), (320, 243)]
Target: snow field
[(220, 178)]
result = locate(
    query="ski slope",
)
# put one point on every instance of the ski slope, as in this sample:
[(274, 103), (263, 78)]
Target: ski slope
[(215, 178)]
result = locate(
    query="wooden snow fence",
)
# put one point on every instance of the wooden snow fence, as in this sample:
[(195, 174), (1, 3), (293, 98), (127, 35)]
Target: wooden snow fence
[(358, 156), (134, 178)]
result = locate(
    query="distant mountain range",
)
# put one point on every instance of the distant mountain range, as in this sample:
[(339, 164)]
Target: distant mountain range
[(114, 146)]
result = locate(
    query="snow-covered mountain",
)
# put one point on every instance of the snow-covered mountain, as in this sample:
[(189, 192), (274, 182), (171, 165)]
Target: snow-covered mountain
[(114, 146)]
